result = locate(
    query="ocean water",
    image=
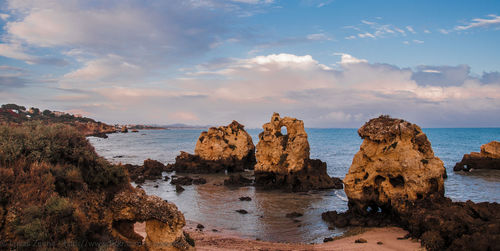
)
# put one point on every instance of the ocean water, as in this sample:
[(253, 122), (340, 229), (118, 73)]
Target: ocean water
[(214, 205)]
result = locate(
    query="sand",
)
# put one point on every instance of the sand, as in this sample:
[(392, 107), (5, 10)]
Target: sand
[(222, 240)]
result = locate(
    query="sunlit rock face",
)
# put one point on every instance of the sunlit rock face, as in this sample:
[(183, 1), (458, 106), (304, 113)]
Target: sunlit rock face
[(283, 159), (217, 150), (395, 165), (488, 158), (164, 222)]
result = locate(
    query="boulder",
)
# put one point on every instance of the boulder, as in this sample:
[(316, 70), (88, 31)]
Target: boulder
[(283, 159), (124, 129), (217, 150), (150, 170), (488, 158), (164, 222)]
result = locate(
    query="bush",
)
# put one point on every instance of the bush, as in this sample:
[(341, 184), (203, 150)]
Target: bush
[(57, 144)]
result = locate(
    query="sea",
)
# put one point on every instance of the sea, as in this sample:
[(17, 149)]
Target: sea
[(215, 205)]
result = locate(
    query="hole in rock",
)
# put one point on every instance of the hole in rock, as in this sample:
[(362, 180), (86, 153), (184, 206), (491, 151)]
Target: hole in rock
[(397, 181), (283, 130), (379, 179)]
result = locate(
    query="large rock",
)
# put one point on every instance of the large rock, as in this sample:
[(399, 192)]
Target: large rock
[(283, 159), (218, 149), (150, 170), (488, 158), (394, 166), (164, 222)]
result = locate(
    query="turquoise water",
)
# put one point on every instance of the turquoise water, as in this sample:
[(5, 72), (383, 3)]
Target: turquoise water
[(214, 205)]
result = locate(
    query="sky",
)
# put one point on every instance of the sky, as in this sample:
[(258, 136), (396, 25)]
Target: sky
[(330, 63)]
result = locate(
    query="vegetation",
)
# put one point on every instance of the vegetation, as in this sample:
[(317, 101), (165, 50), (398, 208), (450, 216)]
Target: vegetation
[(44, 172), (12, 113)]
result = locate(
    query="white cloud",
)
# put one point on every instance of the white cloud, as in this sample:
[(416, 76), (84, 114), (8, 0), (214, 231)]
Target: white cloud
[(15, 51), (410, 29), (480, 22), (418, 41), (4, 16), (365, 35), (427, 31), (318, 37), (348, 59)]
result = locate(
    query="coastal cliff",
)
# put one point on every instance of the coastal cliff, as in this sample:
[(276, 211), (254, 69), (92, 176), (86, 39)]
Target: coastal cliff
[(56, 192), (12, 114), (283, 159)]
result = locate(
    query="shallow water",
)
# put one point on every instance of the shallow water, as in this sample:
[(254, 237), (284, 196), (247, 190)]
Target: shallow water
[(214, 205)]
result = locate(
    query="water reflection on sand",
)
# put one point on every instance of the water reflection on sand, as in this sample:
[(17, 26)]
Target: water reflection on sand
[(215, 205)]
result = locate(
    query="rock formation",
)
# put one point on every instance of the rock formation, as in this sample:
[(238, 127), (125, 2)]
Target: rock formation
[(488, 158), (218, 149), (283, 160), (396, 171), (150, 170), (164, 222), (395, 165)]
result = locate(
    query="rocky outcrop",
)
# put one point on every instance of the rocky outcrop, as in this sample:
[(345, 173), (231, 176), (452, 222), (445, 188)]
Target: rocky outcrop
[(395, 179), (150, 170), (96, 129), (395, 165), (164, 222), (488, 158), (219, 149), (124, 129), (283, 159)]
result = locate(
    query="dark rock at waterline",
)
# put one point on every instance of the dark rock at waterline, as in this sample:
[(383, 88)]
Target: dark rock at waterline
[(242, 211), (189, 163), (150, 170), (360, 240), (166, 178), (294, 215), (199, 181), (438, 222), (327, 239), (379, 243), (187, 181), (488, 158), (200, 227), (237, 180), (245, 198), (179, 188)]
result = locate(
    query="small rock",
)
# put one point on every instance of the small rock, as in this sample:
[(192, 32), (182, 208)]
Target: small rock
[(199, 181), (166, 178), (215, 230), (245, 198), (402, 238), (327, 239), (296, 221), (360, 240), (242, 211), (179, 188), (184, 181), (155, 186), (294, 215), (379, 243), (138, 186), (200, 227)]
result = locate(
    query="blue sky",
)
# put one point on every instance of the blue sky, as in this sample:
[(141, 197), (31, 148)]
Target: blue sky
[(331, 63)]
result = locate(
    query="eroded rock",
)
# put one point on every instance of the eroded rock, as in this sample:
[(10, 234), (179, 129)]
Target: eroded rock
[(217, 150), (164, 222), (150, 170), (395, 165), (488, 158), (283, 159)]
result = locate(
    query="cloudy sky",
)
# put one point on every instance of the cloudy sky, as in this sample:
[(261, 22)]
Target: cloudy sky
[(331, 63)]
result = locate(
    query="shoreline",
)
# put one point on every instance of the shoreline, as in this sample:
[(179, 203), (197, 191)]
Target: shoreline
[(391, 238)]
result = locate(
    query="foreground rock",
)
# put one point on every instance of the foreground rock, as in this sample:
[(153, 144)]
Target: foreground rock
[(488, 158), (283, 160), (164, 222), (217, 150), (394, 166), (150, 170), (395, 179)]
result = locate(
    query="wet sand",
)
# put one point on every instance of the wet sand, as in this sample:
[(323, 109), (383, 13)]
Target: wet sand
[(224, 240)]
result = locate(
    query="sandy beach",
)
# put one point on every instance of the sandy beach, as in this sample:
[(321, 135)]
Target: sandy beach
[(223, 240)]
